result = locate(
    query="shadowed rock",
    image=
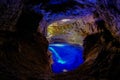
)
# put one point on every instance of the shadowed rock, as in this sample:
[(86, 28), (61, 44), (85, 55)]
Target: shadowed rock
[(23, 51)]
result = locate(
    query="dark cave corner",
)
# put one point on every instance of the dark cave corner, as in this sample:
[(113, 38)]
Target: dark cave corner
[(24, 50)]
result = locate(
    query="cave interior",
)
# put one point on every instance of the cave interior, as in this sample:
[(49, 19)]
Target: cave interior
[(60, 40)]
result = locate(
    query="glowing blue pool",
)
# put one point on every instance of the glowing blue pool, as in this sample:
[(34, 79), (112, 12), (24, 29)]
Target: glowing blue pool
[(66, 57)]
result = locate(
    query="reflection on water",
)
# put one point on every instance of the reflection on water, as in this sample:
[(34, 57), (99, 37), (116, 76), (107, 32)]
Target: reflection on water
[(66, 57)]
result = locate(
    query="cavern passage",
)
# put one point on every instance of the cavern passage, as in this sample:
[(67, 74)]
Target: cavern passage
[(29, 29), (65, 46), (65, 30), (66, 42)]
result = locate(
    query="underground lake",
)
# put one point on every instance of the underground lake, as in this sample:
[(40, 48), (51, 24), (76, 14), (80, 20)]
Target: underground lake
[(66, 57)]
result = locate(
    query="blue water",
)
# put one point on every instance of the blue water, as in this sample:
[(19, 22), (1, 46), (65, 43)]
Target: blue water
[(66, 57)]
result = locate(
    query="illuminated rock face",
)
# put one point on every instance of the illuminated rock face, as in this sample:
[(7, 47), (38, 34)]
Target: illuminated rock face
[(104, 44), (71, 30), (106, 66), (78, 9)]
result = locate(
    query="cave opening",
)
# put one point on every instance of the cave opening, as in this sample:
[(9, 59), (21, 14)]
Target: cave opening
[(65, 45)]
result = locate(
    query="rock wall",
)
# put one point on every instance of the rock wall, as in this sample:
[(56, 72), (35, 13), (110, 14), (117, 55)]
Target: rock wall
[(24, 56), (106, 64), (72, 31), (23, 51), (10, 11), (110, 12)]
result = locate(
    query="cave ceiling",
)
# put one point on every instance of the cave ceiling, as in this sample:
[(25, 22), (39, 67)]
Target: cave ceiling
[(78, 8), (76, 11)]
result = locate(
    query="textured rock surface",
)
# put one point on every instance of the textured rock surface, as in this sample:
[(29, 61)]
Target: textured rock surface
[(20, 49), (110, 12), (72, 30), (106, 65), (23, 51), (9, 13), (73, 9)]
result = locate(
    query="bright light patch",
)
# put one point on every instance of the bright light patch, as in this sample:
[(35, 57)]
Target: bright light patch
[(65, 70), (65, 20), (58, 45)]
